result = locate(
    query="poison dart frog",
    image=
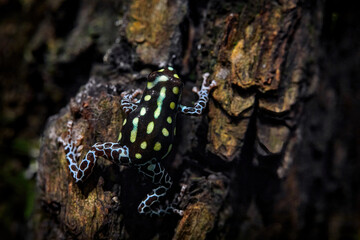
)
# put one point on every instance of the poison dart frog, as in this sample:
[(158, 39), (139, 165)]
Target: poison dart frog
[(146, 136)]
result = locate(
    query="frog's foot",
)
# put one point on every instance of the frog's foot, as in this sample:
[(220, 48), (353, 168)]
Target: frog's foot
[(67, 139), (129, 102), (132, 94), (171, 209), (205, 88), (69, 142), (72, 149), (181, 194), (203, 94), (178, 198)]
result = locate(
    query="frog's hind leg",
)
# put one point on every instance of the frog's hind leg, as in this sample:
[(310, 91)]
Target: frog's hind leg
[(111, 151), (151, 204)]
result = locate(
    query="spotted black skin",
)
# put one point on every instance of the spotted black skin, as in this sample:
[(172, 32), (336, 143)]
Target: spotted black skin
[(146, 136), (164, 122)]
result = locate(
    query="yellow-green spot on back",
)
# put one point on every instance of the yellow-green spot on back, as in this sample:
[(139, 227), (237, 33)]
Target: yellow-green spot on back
[(157, 112), (147, 97), (161, 70), (157, 146), (149, 85), (138, 156), (171, 68), (120, 135), (143, 145), (134, 130), (142, 111), (150, 127), (151, 167), (175, 90), (162, 78), (172, 105), (160, 101), (124, 122), (135, 121), (174, 130), (175, 75), (168, 151), (165, 132), (169, 120)]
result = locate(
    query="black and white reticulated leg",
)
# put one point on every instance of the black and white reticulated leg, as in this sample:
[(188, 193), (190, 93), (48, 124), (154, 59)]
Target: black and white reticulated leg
[(151, 203), (112, 151), (203, 94)]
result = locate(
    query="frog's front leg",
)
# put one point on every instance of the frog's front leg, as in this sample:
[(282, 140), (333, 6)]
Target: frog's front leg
[(127, 104), (112, 151), (203, 94), (158, 175)]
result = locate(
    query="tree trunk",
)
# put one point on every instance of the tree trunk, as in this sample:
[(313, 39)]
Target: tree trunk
[(269, 159)]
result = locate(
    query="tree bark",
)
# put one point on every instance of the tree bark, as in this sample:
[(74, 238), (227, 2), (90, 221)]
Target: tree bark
[(268, 160)]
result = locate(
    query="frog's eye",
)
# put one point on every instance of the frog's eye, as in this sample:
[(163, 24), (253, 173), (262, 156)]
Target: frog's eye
[(152, 76)]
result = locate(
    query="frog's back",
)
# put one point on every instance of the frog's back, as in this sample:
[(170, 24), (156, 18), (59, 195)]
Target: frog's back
[(149, 130)]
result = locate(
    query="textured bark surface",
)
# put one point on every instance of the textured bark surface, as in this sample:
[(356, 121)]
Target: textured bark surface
[(268, 159)]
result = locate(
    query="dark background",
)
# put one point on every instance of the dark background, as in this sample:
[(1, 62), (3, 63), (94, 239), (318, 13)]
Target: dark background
[(33, 86)]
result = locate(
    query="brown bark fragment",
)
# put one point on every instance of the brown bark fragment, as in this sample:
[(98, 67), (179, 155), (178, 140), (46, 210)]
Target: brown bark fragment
[(82, 211), (153, 28), (226, 136), (205, 202), (264, 41), (196, 223), (231, 101), (271, 139)]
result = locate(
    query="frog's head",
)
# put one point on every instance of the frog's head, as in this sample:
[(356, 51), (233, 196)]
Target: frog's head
[(164, 77)]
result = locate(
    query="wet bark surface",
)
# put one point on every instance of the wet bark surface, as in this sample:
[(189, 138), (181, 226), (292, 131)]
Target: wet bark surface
[(275, 154)]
